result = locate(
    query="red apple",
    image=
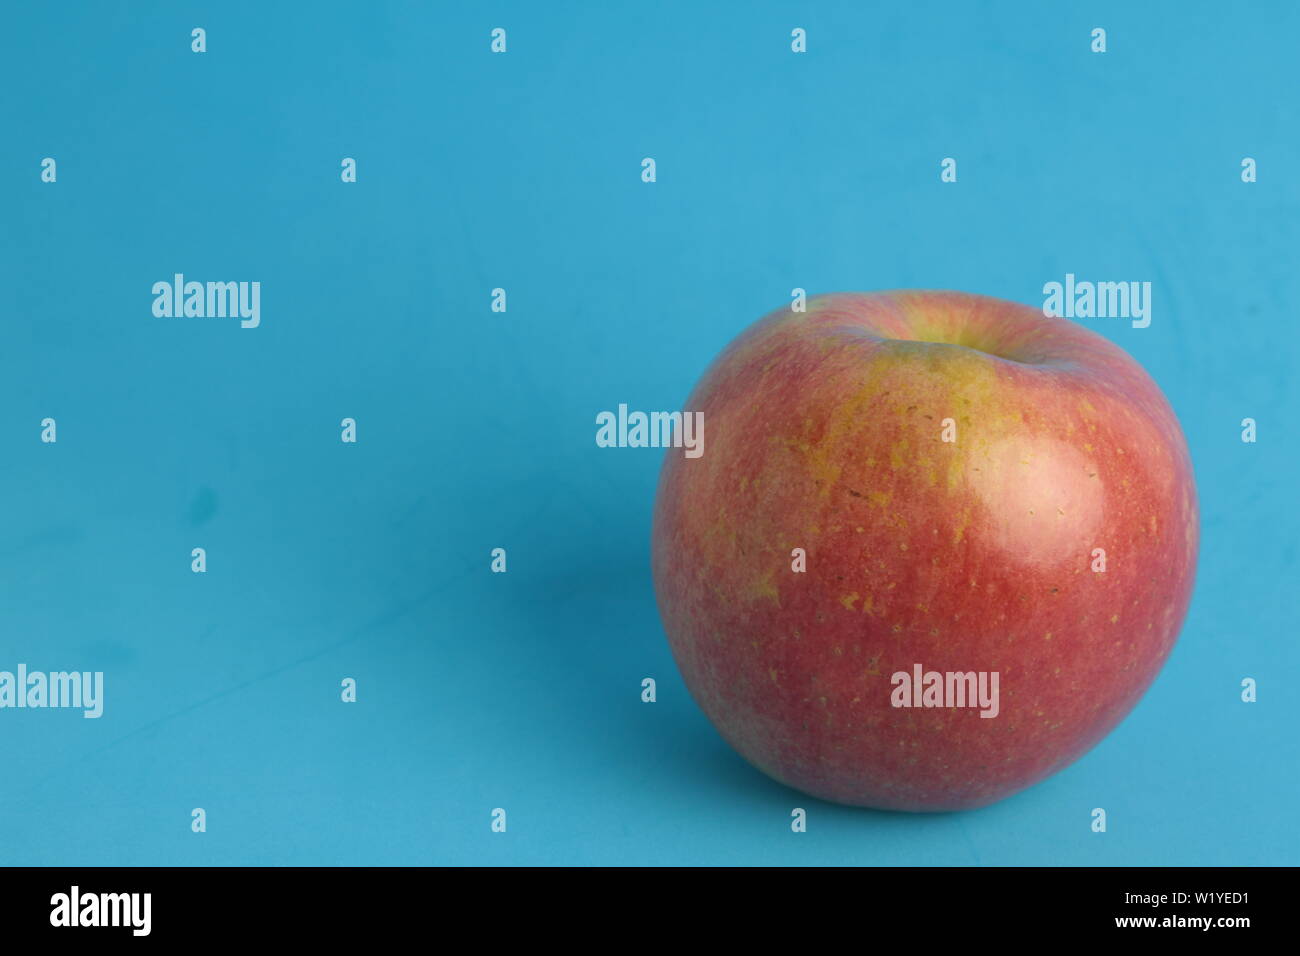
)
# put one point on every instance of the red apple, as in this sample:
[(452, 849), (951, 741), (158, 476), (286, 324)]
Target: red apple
[(978, 489)]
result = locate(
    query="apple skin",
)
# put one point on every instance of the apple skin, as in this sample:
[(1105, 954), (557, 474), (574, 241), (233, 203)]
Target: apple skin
[(824, 432)]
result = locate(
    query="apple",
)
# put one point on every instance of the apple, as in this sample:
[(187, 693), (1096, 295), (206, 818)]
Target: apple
[(937, 547)]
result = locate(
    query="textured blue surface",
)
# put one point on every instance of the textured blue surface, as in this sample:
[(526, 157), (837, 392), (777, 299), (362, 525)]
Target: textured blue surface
[(328, 560)]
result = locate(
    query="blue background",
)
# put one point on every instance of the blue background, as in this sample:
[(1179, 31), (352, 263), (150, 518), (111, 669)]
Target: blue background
[(476, 429)]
